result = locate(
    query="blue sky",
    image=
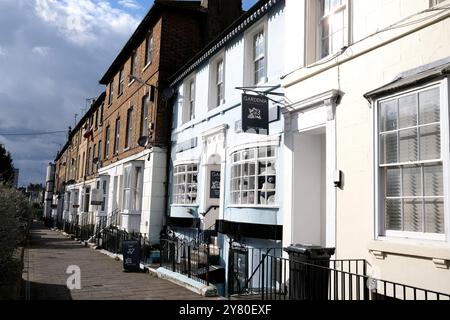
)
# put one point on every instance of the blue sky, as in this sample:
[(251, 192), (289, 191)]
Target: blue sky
[(52, 54)]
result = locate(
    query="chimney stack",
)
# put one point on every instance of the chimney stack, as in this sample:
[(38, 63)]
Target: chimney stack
[(221, 14)]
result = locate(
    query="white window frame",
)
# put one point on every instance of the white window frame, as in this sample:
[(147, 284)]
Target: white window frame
[(111, 92), (249, 63), (129, 129), (313, 50), (179, 197), (132, 192), (345, 7), (86, 194), (434, 3), (144, 117), (121, 81), (189, 100), (214, 81), (238, 163), (380, 232), (134, 65), (117, 136), (149, 47)]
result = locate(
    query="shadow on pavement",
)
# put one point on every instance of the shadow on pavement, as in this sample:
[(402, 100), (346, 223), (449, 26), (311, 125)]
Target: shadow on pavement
[(45, 291)]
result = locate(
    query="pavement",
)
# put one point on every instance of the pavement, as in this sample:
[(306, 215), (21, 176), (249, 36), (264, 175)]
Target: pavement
[(50, 254)]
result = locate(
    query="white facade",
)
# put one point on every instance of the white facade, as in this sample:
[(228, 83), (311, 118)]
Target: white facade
[(220, 175), (382, 40), (139, 201)]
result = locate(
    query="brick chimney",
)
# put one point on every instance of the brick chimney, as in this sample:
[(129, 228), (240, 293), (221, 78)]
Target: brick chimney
[(221, 13)]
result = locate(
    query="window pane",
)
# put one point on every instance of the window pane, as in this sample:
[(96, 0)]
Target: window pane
[(433, 181), (429, 111), (434, 216), (393, 214), (388, 116), (389, 148), (412, 182), (393, 183), (252, 169), (127, 177), (413, 217), (409, 149), (430, 142), (251, 183), (407, 111), (262, 152)]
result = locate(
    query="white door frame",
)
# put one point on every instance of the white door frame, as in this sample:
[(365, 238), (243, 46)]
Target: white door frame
[(303, 116)]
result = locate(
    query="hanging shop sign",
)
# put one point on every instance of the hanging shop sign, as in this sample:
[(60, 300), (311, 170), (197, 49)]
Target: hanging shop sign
[(255, 114), (214, 188)]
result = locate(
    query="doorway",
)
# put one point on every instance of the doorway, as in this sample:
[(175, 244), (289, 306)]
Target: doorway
[(310, 192)]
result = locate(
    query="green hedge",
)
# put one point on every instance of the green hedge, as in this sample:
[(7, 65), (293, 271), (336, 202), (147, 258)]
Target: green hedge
[(15, 214)]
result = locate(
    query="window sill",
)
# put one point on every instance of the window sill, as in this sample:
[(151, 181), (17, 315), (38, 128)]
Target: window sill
[(146, 66), (185, 205), (243, 206), (118, 96), (131, 82), (126, 149), (437, 251)]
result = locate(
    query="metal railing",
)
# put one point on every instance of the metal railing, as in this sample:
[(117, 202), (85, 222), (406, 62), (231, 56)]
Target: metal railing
[(115, 219), (195, 260), (111, 239), (245, 269), (286, 279)]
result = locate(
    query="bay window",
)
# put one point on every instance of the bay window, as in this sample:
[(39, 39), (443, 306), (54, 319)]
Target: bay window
[(412, 163), (185, 184), (253, 177)]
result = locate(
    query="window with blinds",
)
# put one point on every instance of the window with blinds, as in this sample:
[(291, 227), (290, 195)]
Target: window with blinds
[(411, 162)]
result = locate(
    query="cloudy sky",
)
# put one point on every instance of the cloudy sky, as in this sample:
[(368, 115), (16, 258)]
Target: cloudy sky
[(52, 54)]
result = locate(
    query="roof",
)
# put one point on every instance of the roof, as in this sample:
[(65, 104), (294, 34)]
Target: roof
[(80, 123), (238, 27), (417, 76), (141, 31)]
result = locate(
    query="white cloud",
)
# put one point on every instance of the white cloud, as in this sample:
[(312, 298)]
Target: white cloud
[(42, 51), (2, 52), (130, 4), (83, 22)]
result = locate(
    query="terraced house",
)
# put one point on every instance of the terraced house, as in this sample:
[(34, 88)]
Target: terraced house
[(119, 148), (301, 153)]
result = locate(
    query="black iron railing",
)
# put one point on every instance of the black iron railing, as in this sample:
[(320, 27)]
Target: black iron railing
[(111, 239), (190, 258), (285, 279), (245, 269)]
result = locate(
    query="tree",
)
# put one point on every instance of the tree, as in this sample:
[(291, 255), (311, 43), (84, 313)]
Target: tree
[(6, 167)]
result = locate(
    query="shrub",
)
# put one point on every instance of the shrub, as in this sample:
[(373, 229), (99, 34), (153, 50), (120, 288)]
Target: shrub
[(15, 213)]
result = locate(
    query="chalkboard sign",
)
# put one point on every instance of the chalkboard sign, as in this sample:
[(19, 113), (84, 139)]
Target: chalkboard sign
[(214, 186), (131, 255)]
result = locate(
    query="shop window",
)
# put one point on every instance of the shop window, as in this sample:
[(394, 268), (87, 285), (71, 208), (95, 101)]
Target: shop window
[(185, 184), (253, 177)]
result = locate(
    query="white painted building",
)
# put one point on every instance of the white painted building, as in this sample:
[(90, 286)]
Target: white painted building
[(221, 177), (367, 90)]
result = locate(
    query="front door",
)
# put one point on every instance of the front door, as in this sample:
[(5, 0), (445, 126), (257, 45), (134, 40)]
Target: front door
[(238, 270)]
